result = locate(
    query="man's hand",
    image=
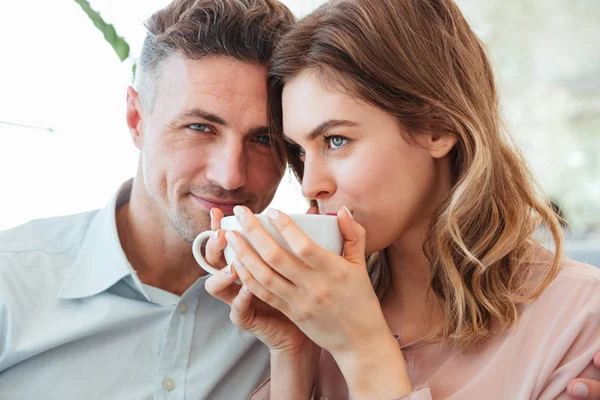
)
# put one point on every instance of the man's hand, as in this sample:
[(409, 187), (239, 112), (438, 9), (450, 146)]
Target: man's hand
[(582, 388), (216, 244)]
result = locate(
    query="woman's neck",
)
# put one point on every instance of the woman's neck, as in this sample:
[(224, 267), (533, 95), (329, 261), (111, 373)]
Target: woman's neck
[(411, 308)]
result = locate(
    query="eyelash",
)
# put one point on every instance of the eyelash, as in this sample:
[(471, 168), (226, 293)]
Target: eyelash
[(298, 151), (210, 129), (255, 139), (328, 140)]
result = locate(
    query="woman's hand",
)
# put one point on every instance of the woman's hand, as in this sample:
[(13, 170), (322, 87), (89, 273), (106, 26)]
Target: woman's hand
[(329, 297), (269, 325), (266, 323), (294, 357), (586, 389)]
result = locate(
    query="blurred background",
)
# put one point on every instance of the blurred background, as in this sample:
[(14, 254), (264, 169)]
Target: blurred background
[(64, 146)]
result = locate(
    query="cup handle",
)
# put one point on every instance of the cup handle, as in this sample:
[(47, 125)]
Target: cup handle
[(197, 251)]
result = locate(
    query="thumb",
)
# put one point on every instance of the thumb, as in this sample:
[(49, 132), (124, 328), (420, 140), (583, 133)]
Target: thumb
[(354, 236), (216, 215), (313, 210), (584, 389)]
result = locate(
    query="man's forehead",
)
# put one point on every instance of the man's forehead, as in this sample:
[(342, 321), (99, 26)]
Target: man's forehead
[(215, 75), (219, 85)]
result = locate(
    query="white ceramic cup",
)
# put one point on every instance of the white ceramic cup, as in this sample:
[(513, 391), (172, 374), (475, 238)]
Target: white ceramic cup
[(322, 229)]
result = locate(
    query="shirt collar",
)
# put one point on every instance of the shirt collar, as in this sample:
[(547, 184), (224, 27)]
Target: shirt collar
[(101, 262)]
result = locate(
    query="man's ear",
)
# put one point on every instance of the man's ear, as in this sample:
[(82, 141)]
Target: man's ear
[(134, 117)]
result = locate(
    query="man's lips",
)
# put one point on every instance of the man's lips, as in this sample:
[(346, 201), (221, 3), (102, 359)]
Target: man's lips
[(224, 205)]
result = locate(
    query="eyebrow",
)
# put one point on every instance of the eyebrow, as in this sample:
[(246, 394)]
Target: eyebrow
[(215, 119), (196, 112), (324, 127)]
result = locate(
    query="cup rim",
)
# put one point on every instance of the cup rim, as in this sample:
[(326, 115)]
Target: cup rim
[(309, 216)]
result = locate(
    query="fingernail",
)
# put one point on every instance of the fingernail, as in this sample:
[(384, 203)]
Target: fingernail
[(216, 234), (272, 213), (231, 237), (580, 390), (348, 212), (239, 211), (228, 270)]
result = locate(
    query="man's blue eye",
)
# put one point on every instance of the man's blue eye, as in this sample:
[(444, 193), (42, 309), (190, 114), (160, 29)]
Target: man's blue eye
[(263, 139), (200, 127)]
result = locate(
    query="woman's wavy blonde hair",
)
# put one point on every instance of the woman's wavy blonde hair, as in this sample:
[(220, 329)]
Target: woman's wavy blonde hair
[(420, 61)]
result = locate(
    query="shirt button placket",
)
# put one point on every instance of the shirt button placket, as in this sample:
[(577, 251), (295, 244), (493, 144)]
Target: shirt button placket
[(168, 384), (183, 308)]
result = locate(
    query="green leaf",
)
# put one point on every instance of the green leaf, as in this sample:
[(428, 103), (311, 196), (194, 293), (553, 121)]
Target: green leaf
[(119, 44)]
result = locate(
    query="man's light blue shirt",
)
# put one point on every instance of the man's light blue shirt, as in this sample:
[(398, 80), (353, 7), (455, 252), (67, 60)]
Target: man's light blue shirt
[(77, 323)]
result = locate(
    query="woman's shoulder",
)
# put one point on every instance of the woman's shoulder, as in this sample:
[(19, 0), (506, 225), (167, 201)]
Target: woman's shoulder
[(571, 274), (578, 271), (574, 291), (557, 333), (576, 275)]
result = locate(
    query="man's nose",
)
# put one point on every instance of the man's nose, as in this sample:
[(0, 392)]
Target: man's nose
[(227, 166)]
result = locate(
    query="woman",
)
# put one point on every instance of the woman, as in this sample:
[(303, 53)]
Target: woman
[(390, 113)]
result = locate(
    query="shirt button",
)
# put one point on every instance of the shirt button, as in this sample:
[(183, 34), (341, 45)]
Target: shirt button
[(169, 384), (183, 308)]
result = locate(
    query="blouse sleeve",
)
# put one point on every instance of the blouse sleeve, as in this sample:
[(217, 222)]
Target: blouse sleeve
[(573, 352), (262, 393)]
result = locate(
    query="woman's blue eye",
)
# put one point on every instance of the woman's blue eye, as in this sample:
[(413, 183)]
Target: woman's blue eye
[(337, 141), (200, 127)]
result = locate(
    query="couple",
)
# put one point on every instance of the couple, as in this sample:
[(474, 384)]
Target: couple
[(387, 107), (389, 113)]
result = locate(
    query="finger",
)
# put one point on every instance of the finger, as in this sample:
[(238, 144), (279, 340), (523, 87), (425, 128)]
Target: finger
[(268, 250), (313, 210), (256, 269), (597, 360), (216, 215), (302, 246), (214, 249), (223, 286), (354, 236), (257, 288), (242, 314), (588, 389)]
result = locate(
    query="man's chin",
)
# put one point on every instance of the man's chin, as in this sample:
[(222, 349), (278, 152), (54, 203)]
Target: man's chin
[(189, 226)]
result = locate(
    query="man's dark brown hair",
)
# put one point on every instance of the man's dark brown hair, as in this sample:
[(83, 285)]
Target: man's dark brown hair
[(246, 30)]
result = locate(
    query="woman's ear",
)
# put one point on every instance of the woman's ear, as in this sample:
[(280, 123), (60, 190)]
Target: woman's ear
[(440, 144), (436, 135)]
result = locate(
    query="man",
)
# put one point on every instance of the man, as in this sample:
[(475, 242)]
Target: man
[(110, 304)]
